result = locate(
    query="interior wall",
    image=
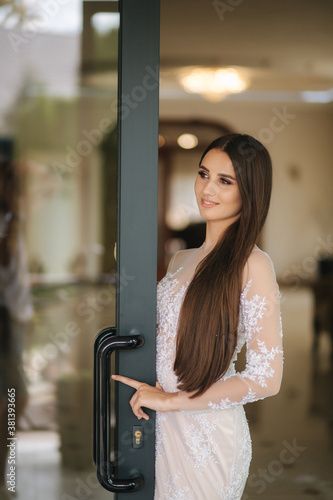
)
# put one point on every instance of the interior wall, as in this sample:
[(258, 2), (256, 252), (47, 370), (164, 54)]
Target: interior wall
[(298, 137), (182, 208)]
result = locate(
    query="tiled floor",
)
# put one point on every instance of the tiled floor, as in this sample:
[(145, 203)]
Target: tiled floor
[(292, 432), (41, 476)]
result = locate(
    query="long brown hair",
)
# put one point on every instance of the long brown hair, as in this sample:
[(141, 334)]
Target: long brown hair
[(208, 322)]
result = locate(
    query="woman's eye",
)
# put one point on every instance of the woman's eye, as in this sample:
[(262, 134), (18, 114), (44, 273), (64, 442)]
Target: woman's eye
[(202, 174), (224, 181)]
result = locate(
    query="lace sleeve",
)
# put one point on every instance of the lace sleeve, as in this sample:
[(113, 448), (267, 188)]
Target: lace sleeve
[(261, 323)]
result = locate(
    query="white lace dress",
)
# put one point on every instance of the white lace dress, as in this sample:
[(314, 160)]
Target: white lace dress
[(203, 451)]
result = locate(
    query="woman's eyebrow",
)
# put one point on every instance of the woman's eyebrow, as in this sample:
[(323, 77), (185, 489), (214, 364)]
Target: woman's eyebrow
[(221, 175)]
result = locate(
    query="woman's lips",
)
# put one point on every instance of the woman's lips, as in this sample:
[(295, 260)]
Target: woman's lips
[(208, 204)]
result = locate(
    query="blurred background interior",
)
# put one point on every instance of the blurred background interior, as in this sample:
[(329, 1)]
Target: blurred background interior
[(263, 68)]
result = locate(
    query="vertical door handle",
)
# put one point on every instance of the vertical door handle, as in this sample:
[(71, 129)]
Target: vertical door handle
[(106, 342)]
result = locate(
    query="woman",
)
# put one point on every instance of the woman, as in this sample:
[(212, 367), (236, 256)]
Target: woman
[(212, 300)]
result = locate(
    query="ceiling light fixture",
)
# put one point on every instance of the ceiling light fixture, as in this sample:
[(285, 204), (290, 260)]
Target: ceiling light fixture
[(213, 83), (187, 141)]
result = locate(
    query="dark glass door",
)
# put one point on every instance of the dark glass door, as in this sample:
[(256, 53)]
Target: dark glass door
[(130, 471)]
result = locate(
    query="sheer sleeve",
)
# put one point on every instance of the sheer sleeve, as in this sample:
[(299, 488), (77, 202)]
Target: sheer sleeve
[(260, 323)]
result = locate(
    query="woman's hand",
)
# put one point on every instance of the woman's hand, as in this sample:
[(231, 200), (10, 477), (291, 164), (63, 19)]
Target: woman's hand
[(148, 396)]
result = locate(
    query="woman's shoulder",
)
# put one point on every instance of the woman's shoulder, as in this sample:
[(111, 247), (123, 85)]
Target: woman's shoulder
[(178, 259), (258, 257), (259, 263)]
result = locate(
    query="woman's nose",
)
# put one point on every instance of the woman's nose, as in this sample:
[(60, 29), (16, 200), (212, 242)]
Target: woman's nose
[(209, 188)]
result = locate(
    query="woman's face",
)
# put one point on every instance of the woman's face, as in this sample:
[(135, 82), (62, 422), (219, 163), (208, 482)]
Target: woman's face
[(216, 188)]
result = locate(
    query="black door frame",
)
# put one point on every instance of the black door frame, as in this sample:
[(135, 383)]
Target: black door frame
[(138, 108)]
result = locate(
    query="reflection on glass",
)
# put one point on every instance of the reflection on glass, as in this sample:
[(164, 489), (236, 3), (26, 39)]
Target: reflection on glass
[(59, 77), (15, 310)]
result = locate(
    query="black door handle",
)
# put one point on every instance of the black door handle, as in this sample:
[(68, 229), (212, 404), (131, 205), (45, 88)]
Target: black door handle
[(106, 342)]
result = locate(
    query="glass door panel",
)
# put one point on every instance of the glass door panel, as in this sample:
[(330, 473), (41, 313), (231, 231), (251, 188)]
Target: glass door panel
[(58, 154)]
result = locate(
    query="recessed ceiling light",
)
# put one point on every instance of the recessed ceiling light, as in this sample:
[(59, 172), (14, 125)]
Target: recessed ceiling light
[(187, 141)]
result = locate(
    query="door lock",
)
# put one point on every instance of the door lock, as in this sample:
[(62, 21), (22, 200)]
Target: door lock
[(137, 436)]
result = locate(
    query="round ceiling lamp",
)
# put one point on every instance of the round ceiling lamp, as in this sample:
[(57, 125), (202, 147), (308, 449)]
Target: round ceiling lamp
[(187, 141), (213, 83)]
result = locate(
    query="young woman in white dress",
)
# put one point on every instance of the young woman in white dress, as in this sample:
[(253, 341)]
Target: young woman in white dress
[(212, 301)]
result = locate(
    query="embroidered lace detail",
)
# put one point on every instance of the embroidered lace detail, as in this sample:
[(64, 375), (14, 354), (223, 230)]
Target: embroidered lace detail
[(175, 491), (226, 403), (251, 310), (169, 303), (240, 468), (200, 442), (160, 434), (258, 366)]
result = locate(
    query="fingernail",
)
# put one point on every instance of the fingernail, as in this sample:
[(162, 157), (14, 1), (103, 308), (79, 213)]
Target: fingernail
[(113, 376)]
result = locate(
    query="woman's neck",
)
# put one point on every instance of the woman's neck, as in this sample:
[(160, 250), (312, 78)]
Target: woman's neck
[(214, 232)]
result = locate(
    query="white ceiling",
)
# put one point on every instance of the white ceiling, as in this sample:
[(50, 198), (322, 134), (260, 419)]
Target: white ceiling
[(283, 45)]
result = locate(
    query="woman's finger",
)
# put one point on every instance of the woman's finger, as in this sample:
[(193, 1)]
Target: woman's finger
[(137, 409), (142, 414), (127, 381)]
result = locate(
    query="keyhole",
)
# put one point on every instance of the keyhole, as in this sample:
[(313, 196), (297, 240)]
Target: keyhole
[(137, 435)]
